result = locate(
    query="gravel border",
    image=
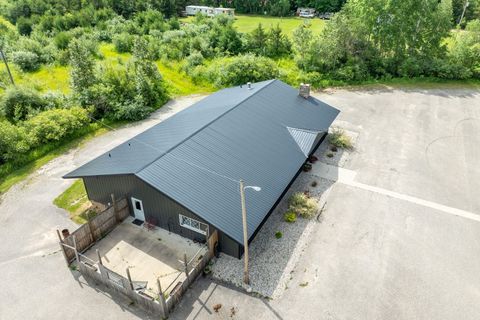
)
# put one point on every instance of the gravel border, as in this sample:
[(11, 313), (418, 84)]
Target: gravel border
[(341, 156), (273, 260)]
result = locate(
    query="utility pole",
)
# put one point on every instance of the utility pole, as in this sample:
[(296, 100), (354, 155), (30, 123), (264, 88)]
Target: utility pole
[(463, 12), (246, 278), (6, 65)]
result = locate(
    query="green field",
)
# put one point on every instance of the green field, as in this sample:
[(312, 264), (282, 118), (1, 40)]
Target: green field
[(57, 78), (247, 23)]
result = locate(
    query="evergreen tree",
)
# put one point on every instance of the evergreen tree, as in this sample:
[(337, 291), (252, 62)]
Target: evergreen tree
[(278, 44)]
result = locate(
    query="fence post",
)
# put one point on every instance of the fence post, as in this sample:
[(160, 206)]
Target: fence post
[(77, 257), (90, 228), (161, 298), (185, 262), (63, 248), (114, 204), (99, 257), (129, 279)]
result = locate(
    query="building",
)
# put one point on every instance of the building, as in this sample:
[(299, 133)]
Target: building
[(193, 10), (208, 11), (182, 174), (306, 12), (226, 11)]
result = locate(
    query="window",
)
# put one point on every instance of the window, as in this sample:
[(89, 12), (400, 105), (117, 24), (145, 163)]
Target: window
[(193, 224), (138, 206)]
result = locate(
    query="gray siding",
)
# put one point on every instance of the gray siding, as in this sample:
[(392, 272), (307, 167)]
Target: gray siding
[(155, 204)]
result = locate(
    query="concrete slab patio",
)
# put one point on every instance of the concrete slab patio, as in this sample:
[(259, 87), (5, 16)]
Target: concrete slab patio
[(148, 254)]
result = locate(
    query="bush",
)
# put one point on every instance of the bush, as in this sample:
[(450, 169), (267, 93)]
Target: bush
[(62, 39), (13, 141), (303, 205), (56, 124), (18, 103), (339, 139), (24, 26), (26, 61), (123, 42), (238, 70), (278, 234), (290, 216)]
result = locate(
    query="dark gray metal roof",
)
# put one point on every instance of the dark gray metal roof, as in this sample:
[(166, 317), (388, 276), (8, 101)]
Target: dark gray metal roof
[(261, 135)]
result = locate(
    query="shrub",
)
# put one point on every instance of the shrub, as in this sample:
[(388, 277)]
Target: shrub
[(13, 141), (278, 234), (26, 61), (56, 124), (339, 139), (290, 216), (18, 103), (239, 70), (123, 42), (303, 205), (62, 39), (24, 26)]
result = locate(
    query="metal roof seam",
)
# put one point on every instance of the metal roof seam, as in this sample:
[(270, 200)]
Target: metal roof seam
[(207, 125)]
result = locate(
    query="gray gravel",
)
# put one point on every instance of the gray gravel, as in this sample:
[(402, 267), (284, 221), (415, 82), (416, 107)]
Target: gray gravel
[(271, 259), (341, 156)]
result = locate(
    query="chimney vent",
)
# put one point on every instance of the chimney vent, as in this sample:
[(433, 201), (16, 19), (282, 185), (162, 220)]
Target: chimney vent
[(249, 85), (304, 91)]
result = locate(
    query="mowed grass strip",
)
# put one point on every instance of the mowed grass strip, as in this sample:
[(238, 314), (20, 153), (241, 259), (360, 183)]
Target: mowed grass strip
[(75, 201), (247, 23)]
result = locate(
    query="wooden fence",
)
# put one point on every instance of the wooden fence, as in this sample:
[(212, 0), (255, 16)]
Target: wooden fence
[(159, 305), (95, 229)]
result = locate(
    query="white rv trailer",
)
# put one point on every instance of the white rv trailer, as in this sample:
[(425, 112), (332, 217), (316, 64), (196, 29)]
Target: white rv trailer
[(193, 10), (209, 11)]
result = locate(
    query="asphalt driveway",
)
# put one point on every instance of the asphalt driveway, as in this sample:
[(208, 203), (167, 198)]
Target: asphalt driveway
[(400, 236), (389, 246), (36, 284)]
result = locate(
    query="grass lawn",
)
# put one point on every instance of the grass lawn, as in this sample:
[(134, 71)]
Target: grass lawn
[(57, 78), (10, 177), (247, 23), (76, 202)]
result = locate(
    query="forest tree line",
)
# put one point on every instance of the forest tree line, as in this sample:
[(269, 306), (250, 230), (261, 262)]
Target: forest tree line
[(366, 40)]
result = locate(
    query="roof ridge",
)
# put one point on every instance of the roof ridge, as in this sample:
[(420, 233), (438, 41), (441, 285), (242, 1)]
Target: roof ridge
[(204, 126)]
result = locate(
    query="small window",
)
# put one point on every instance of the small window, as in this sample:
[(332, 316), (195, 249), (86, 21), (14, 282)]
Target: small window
[(138, 206), (193, 224)]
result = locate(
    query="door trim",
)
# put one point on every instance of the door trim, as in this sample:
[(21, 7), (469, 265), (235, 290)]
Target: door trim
[(138, 213)]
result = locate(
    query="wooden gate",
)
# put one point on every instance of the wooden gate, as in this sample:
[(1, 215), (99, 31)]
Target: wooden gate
[(211, 242)]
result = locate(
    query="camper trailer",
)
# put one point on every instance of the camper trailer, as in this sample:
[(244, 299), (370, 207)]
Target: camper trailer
[(306, 12), (193, 10), (209, 11), (227, 11)]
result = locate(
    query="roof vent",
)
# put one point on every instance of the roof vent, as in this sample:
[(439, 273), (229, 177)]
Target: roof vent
[(249, 85), (304, 90)]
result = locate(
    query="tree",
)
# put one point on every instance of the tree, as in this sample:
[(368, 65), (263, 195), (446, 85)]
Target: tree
[(280, 8), (278, 44), (398, 38), (82, 73), (302, 40), (257, 40)]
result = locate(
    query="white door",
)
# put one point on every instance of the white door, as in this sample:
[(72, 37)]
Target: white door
[(138, 209)]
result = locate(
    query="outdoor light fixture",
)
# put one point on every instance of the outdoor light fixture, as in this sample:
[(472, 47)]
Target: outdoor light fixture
[(246, 278)]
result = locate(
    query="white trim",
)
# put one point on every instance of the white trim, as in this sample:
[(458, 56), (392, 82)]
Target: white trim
[(190, 226)]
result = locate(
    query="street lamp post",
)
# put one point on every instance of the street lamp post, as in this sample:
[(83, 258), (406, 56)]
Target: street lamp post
[(246, 278)]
